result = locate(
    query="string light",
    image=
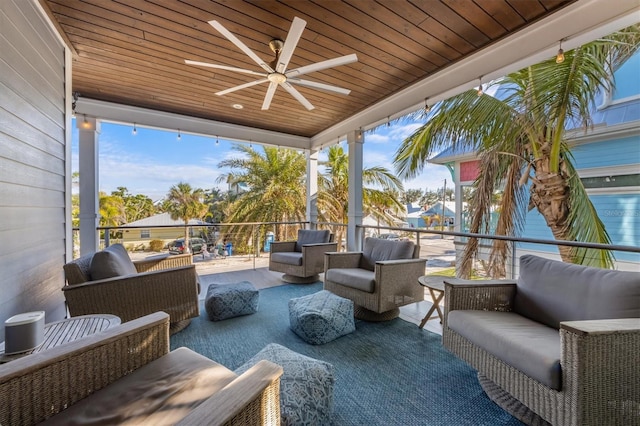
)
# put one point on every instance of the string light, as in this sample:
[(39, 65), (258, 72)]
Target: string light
[(560, 55), (480, 90), (135, 130), (217, 142), (388, 121), (85, 123), (427, 108), (179, 135)]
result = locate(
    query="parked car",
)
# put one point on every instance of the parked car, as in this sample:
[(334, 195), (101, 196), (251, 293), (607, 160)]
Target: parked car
[(195, 245)]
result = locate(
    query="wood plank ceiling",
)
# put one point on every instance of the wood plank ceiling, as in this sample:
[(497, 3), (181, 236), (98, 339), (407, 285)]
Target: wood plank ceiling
[(132, 51)]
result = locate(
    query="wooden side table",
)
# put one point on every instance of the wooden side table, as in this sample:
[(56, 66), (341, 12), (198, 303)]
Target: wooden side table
[(435, 285), (65, 331)]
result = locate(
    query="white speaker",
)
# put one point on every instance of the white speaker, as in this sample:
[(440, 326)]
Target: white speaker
[(23, 332)]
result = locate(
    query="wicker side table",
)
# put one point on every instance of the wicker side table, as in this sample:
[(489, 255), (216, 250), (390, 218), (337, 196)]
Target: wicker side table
[(65, 331)]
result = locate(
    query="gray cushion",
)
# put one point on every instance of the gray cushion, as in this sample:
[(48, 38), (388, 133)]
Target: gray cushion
[(306, 385), (550, 291), (312, 236), (358, 278), (114, 261), (287, 257), (376, 249), (161, 392), (526, 345)]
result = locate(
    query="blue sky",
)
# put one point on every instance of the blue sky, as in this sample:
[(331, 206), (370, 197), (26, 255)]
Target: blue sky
[(152, 161)]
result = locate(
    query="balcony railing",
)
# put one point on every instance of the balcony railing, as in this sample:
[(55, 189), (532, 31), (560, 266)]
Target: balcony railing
[(438, 247)]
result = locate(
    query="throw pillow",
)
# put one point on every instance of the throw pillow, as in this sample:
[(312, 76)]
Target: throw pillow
[(114, 261)]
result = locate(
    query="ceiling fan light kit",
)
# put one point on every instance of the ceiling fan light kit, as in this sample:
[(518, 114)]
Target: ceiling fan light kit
[(275, 72)]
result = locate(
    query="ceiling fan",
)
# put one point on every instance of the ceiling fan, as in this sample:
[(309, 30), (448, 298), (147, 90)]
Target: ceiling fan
[(275, 72)]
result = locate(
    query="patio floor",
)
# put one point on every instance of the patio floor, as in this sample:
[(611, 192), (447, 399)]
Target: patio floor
[(236, 268)]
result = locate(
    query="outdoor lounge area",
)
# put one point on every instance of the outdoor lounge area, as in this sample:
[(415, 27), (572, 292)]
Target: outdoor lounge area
[(95, 333), (389, 372)]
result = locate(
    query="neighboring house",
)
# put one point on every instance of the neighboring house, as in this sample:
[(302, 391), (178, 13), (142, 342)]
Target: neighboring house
[(157, 227), (608, 161)]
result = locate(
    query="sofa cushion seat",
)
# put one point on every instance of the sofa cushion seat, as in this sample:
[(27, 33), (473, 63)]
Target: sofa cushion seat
[(114, 261), (161, 392), (287, 257), (526, 345), (358, 278)]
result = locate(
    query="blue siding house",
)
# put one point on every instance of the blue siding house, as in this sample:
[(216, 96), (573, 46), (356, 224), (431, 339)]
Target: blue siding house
[(608, 160)]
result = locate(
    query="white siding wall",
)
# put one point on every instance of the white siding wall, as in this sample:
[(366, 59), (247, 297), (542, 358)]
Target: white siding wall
[(32, 164)]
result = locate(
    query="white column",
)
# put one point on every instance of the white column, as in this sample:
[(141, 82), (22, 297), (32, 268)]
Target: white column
[(89, 131), (312, 188), (457, 226), (355, 141)]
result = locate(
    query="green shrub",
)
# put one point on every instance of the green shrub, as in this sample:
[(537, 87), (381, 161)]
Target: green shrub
[(156, 245)]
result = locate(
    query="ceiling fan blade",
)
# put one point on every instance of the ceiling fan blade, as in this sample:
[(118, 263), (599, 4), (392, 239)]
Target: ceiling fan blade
[(294, 92), (223, 67), (321, 86), (242, 86), (318, 66), (240, 45), (295, 32), (269, 96)]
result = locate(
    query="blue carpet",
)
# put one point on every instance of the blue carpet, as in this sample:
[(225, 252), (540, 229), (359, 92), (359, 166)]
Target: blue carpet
[(389, 373)]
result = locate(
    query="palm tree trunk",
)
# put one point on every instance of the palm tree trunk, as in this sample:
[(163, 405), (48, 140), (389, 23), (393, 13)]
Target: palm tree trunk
[(550, 195)]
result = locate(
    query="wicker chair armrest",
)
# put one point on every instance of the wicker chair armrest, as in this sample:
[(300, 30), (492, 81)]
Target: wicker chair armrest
[(174, 291), (51, 380), (341, 260), (318, 249), (253, 398), (487, 295), (156, 263), (282, 246), (385, 263), (400, 277), (599, 361)]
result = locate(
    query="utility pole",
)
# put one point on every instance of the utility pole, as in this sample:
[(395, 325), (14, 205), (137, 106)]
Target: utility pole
[(444, 198)]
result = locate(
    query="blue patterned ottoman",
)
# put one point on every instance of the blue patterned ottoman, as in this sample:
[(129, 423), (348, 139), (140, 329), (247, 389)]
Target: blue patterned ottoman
[(306, 385), (231, 300), (321, 317)]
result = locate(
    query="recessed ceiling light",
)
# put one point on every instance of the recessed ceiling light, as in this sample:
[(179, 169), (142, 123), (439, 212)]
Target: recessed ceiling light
[(237, 106)]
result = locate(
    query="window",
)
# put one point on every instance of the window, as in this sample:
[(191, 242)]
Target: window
[(145, 233)]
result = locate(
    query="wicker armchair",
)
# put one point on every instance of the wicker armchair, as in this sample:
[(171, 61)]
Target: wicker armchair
[(598, 371), (380, 279), (162, 283), (301, 261), (38, 387)]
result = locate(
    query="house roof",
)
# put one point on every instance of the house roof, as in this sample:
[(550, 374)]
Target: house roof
[(131, 54), (162, 219)]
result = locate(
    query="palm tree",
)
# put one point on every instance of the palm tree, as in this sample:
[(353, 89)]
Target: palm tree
[(185, 203), (520, 138), (333, 191), (275, 181)]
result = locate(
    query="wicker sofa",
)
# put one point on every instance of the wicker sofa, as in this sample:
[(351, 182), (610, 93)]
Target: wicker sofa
[(559, 345), (126, 375), (108, 282)]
